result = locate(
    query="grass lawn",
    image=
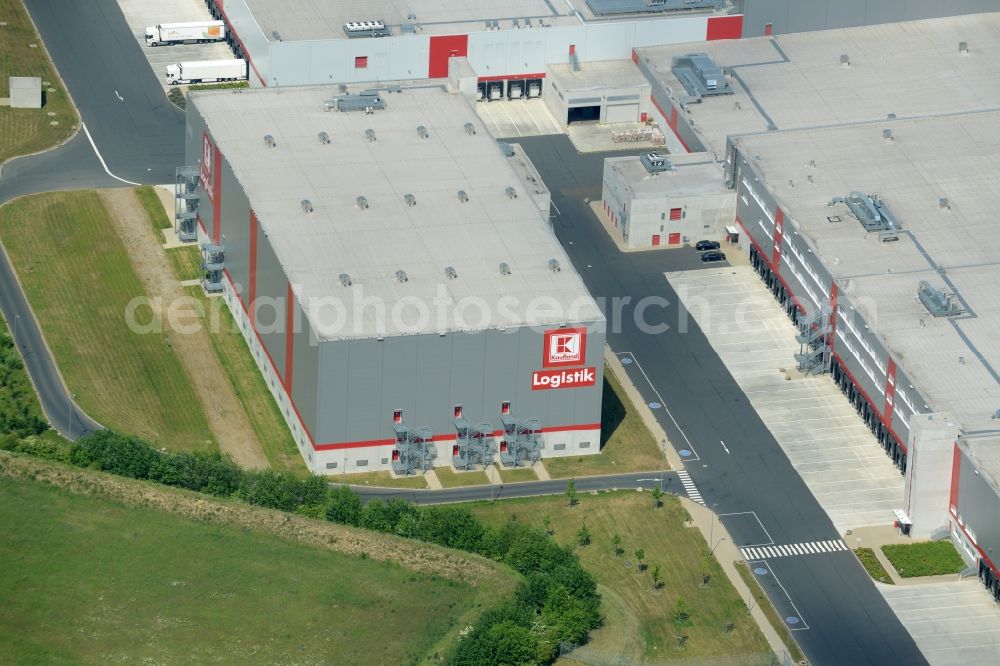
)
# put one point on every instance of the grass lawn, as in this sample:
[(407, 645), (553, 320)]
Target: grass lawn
[(772, 615), (513, 475), (872, 565), (89, 580), (449, 478), (640, 621), (930, 558), (378, 479), (25, 131), (185, 261), (626, 443), (248, 384), (80, 282), (154, 207)]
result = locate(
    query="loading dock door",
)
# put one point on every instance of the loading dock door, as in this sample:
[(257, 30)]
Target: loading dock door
[(583, 114), (674, 239), (622, 113)]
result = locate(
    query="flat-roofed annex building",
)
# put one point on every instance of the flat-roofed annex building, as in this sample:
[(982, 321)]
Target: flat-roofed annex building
[(390, 270)]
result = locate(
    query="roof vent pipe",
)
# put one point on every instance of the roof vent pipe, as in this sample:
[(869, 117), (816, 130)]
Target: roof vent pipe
[(269, 141), (410, 200), (554, 265), (450, 272), (887, 134), (463, 196), (504, 268), (362, 202), (345, 280), (511, 193), (422, 132), (944, 203), (307, 205), (470, 129), (324, 138), (963, 48), (845, 60), (401, 276), (370, 135)]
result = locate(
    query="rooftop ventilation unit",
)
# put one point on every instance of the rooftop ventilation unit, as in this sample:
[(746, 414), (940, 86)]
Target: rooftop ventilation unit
[(470, 129), (944, 203), (370, 135), (450, 272), (506, 149), (374, 28), (402, 277), (362, 202), (367, 101), (887, 134), (939, 302), (655, 162), (554, 265), (463, 196), (269, 141), (874, 215), (275, 35), (700, 76), (324, 138), (345, 280), (511, 193), (422, 132), (307, 205), (845, 60), (504, 268), (410, 199), (963, 48)]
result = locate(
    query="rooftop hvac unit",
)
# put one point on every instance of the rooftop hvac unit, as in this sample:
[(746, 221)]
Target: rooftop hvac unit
[(275, 35), (554, 265), (845, 60), (422, 132), (450, 272), (463, 196), (374, 28), (699, 75), (507, 149), (307, 205), (470, 129), (345, 280), (402, 277), (370, 135), (655, 162), (324, 138), (269, 141), (963, 48), (410, 199), (511, 193), (887, 134), (362, 202), (504, 268), (938, 302)]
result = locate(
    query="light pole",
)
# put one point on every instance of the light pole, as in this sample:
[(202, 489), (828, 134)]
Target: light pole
[(69, 411), (711, 531), (17, 320)]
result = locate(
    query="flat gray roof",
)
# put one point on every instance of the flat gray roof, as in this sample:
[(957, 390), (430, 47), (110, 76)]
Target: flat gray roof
[(693, 174), (985, 451), (791, 81), (601, 75), (371, 244)]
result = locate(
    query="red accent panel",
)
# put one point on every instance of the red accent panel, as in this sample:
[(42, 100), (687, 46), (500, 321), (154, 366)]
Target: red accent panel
[(439, 438), (724, 27), (674, 239), (572, 49), (504, 77), (252, 287), (289, 339), (956, 466), (768, 29), (564, 346), (676, 213), (442, 48), (779, 222), (217, 196), (834, 292), (890, 390), (871, 403), (671, 119), (635, 56), (763, 256), (656, 240)]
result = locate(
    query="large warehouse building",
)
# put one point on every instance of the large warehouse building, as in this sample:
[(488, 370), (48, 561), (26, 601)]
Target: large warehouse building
[(402, 293), (865, 164)]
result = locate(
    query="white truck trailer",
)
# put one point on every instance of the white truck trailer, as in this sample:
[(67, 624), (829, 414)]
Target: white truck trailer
[(206, 71), (196, 32)]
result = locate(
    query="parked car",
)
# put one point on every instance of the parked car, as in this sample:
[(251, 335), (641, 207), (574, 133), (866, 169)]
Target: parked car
[(707, 245), (713, 255)]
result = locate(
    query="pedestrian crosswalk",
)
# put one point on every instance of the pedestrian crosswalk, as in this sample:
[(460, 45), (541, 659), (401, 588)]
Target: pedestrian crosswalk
[(751, 553), (690, 488)]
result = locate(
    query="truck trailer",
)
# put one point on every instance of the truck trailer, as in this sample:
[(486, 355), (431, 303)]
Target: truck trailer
[(196, 32), (206, 71)]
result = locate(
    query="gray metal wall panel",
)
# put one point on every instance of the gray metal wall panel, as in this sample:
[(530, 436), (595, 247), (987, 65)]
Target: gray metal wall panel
[(252, 38), (433, 364), (235, 227), (332, 397), (979, 506), (885, 11), (305, 371), (844, 13), (363, 374), (272, 293), (503, 359)]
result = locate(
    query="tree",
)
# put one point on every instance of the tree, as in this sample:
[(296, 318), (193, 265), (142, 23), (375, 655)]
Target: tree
[(657, 579), (617, 541), (681, 615), (343, 506), (571, 492), (657, 496), (583, 534), (547, 524), (640, 555)]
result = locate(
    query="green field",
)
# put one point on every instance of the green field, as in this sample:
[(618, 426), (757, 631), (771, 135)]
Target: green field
[(626, 443), (872, 565), (24, 131), (640, 622), (248, 384), (930, 558), (89, 580), (449, 478), (146, 195), (185, 261), (79, 280), (379, 479), (514, 475)]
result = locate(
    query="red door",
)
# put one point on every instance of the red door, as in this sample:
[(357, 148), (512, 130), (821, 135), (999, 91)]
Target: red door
[(768, 30), (656, 239), (674, 239)]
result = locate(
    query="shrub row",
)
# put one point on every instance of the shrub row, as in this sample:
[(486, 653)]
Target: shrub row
[(556, 602), (19, 412)]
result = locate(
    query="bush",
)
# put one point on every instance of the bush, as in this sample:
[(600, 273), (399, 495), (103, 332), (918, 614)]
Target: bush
[(19, 411), (109, 451)]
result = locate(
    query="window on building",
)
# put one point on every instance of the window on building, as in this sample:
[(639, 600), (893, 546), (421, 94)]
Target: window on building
[(332, 465), (361, 463), (458, 411), (663, 216), (675, 213), (397, 416), (361, 62), (505, 407)]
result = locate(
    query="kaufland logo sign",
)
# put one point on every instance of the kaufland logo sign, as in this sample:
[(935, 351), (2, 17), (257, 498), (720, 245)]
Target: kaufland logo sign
[(563, 347)]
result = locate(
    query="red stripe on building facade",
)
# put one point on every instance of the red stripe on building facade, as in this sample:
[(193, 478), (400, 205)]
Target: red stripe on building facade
[(779, 223), (890, 390), (252, 287), (956, 468), (513, 77), (217, 196), (832, 336), (289, 338)]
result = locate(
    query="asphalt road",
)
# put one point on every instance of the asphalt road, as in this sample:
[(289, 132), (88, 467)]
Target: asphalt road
[(841, 617), (137, 131), (646, 480)]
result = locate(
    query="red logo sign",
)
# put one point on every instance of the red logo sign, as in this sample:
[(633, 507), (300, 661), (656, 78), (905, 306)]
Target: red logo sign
[(542, 380), (564, 346), (206, 164)]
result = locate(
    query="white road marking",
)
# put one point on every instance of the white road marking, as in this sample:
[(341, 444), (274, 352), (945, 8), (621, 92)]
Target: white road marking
[(103, 163), (754, 553), (724, 446)]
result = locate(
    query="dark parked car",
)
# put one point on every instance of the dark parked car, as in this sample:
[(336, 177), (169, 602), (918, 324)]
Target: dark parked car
[(713, 255), (706, 245)]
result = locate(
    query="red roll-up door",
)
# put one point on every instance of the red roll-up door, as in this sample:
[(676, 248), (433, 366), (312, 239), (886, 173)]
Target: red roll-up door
[(674, 239), (656, 239)]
